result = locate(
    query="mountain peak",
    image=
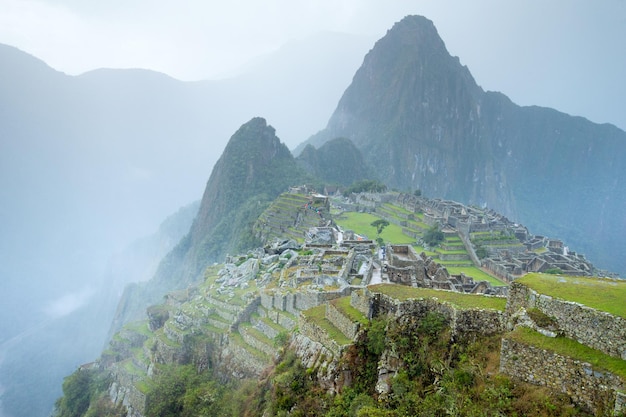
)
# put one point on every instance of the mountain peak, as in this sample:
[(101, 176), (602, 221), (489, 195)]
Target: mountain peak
[(412, 28)]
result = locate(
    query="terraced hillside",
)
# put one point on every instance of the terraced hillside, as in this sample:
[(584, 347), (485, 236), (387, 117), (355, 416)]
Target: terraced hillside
[(290, 216), (409, 227)]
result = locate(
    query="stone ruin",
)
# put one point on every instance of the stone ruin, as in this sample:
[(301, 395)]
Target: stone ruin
[(521, 254), (404, 266)]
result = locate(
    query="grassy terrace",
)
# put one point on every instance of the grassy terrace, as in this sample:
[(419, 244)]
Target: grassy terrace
[(257, 334), (476, 273), (343, 305), (238, 340), (270, 323), (140, 327), (361, 223), (601, 294), (461, 300), (568, 347), (397, 208), (318, 316)]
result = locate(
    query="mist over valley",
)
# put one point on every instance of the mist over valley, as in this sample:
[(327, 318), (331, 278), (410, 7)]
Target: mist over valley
[(102, 175)]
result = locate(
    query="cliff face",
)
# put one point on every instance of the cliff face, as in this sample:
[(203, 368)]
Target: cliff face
[(254, 168), (421, 121), (337, 161)]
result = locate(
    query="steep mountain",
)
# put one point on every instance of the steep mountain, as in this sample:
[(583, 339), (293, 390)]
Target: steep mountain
[(337, 161), (253, 170), (89, 163), (421, 121)]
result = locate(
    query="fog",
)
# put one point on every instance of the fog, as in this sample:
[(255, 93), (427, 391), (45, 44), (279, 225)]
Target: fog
[(93, 160)]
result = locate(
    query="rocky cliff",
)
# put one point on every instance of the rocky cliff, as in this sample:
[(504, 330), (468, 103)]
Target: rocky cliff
[(422, 122), (337, 161)]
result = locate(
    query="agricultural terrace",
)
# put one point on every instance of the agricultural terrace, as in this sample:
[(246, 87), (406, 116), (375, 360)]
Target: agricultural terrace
[(599, 293), (571, 348), (476, 273), (361, 223), (461, 300)]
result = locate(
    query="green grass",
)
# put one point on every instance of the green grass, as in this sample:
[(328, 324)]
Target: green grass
[(140, 327), (461, 300), (238, 340), (343, 304), (571, 348), (476, 273), (132, 369), (361, 223), (318, 316), (602, 294), (272, 324), (163, 338), (257, 334), (420, 249), (397, 208), (451, 252)]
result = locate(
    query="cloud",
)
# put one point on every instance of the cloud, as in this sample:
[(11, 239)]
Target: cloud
[(68, 303)]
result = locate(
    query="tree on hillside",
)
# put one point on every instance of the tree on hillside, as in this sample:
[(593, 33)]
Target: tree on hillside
[(433, 236), (380, 225)]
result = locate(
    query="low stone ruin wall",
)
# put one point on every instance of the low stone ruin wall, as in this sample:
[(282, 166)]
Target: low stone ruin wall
[(295, 302), (311, 330), (462, 321), (340, 321), (596, 329), (595, 389)]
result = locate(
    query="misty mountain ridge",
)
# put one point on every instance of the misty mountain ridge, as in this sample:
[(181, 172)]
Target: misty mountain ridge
[(422, 122), (404, 113), (91, 162), (253, 170)]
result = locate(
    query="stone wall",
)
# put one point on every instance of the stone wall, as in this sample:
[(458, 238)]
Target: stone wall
[(362, 302), (594, 389), (311, 330), (303, 300), (463, 322), (236, 361), (593, 328), (125, 392), (246, 313), (340, 321)]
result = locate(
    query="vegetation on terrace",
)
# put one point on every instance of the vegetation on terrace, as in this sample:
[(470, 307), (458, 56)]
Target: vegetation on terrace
[(598, 293), (361, 223), (570, 348), (317, 315), (476, 273), (461, 300), (343, 305)]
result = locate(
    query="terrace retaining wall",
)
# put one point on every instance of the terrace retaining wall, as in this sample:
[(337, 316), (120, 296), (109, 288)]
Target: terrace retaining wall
[(596, 329), (597, 390)]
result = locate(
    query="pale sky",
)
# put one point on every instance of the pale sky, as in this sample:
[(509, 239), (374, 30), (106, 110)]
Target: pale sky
[(566, 54)]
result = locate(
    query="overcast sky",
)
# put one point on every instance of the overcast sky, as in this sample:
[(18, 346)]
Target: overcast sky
[(566, 54)]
